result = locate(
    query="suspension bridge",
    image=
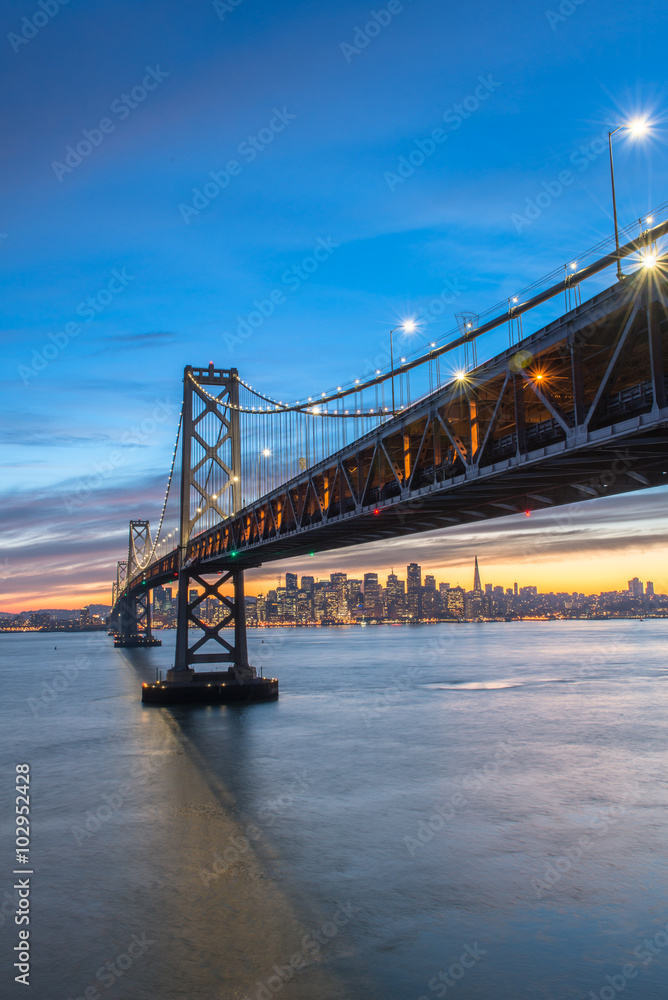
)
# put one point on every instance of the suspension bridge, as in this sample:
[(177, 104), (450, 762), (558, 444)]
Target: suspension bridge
[(575, 410)]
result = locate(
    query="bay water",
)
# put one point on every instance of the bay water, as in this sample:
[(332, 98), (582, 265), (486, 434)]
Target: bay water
[(462, 810)]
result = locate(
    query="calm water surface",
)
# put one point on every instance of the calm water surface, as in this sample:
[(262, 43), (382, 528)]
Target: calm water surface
[(417, 795)]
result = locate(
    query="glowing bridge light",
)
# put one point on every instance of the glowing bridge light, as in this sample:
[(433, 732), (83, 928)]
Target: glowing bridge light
[(527, 513), (409, 326), (573, 265), (376, 511), (638, 126)]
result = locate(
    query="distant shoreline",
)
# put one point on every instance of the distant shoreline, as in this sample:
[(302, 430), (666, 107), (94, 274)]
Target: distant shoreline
[(314, 625)]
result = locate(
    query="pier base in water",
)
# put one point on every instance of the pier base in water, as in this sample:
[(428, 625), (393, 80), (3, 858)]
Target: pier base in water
[(136, 641), (210, 688)]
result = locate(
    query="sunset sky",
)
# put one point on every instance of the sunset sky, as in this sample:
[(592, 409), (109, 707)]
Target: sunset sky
[(116, 273)]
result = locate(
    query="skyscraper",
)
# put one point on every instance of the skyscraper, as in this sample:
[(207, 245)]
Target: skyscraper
[(477, 586), (371, 593), (413, 577), (291, 582)]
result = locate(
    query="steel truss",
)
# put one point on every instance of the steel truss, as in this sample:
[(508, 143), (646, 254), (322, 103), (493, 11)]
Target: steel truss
[(140, 548), (539, 425), (575, 411), (132, 618), (210, 491)]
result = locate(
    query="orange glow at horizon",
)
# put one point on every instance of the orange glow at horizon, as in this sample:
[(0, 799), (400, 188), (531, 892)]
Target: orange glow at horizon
[(590, 573), (567, 575), (585, 575)]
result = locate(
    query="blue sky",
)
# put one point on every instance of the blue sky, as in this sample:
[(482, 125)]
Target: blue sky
[(316, 110)]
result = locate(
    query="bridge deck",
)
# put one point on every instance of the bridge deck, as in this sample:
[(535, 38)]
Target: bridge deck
[(574, 411)]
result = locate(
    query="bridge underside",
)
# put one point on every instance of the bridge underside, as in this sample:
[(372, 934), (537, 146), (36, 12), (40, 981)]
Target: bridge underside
[(578, 410)]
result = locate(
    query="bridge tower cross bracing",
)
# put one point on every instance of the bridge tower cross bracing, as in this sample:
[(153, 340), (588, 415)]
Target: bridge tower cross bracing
[(210, 491), (134, 607)]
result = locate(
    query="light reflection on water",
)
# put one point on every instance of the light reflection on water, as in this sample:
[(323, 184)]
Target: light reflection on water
[(414, 790)]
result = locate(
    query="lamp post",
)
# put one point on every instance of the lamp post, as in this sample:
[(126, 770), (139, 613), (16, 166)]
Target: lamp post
[(637, 127), (408, 327)]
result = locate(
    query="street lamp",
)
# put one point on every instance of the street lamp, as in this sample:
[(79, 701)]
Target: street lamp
[(637, 127), (408, 326)]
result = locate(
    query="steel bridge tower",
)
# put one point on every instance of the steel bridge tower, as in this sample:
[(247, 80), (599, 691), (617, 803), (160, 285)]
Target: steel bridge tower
[(132, 623), (210, 493)]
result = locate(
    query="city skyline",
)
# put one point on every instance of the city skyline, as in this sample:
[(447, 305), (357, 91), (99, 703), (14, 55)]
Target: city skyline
[(580, 541), (484, 574)]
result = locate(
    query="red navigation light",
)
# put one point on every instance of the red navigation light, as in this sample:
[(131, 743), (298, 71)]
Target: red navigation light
[(376, 511), (527, 513)]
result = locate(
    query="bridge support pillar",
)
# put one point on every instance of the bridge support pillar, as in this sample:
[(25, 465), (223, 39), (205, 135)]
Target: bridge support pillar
[(134, 621), (200, 641)]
